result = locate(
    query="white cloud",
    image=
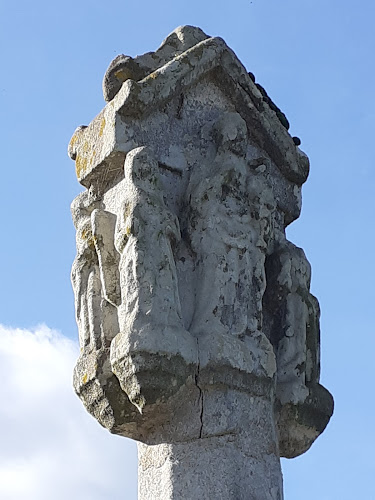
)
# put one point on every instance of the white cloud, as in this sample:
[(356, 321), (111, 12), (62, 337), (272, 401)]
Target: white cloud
[(50, 447)]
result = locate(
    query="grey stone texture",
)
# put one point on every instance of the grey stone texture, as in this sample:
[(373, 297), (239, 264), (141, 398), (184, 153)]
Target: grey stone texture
[(199, 335)]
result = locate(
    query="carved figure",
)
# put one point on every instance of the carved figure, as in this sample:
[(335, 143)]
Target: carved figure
[(228, 233), (150, 312), (85, 274), (96, 316), (293, 322)]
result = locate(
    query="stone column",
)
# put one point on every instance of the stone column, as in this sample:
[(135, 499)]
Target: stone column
[(237, 459), (199, 335)]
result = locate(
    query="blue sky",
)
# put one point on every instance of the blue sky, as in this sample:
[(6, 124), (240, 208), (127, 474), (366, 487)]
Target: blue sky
[(315, 58)]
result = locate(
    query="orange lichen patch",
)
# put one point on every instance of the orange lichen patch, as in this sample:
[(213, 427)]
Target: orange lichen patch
[(73, 145), (128, 231), (102, 125), (91, 243), (85, 159), (84, 378), (81, 166), (93, 157), (122, 75), (85, 147), (152, 75), (127, 210), (73, 140)]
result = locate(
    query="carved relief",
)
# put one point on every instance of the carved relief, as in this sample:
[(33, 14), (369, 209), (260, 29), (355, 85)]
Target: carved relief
[(150, 311)]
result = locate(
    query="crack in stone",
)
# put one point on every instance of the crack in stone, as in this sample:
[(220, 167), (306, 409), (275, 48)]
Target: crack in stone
[(200, 393)]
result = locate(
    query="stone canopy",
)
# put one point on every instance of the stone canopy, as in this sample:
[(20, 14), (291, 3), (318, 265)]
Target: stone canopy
[(193, 63)]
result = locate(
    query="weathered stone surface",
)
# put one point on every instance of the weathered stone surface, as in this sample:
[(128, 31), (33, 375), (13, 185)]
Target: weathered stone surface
[(124, 68), (100, 149), (199, 335), (235, 458)]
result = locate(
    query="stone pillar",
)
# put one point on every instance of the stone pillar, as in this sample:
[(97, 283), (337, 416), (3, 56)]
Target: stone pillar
[(235, 457), (199, 335)]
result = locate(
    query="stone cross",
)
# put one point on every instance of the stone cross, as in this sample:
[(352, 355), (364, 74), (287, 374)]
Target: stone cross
[(199, 335)]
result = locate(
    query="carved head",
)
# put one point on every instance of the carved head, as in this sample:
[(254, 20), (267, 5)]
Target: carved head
[(82, 206), (122, 68), (230, 133), (141, 170), (181, 39)]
